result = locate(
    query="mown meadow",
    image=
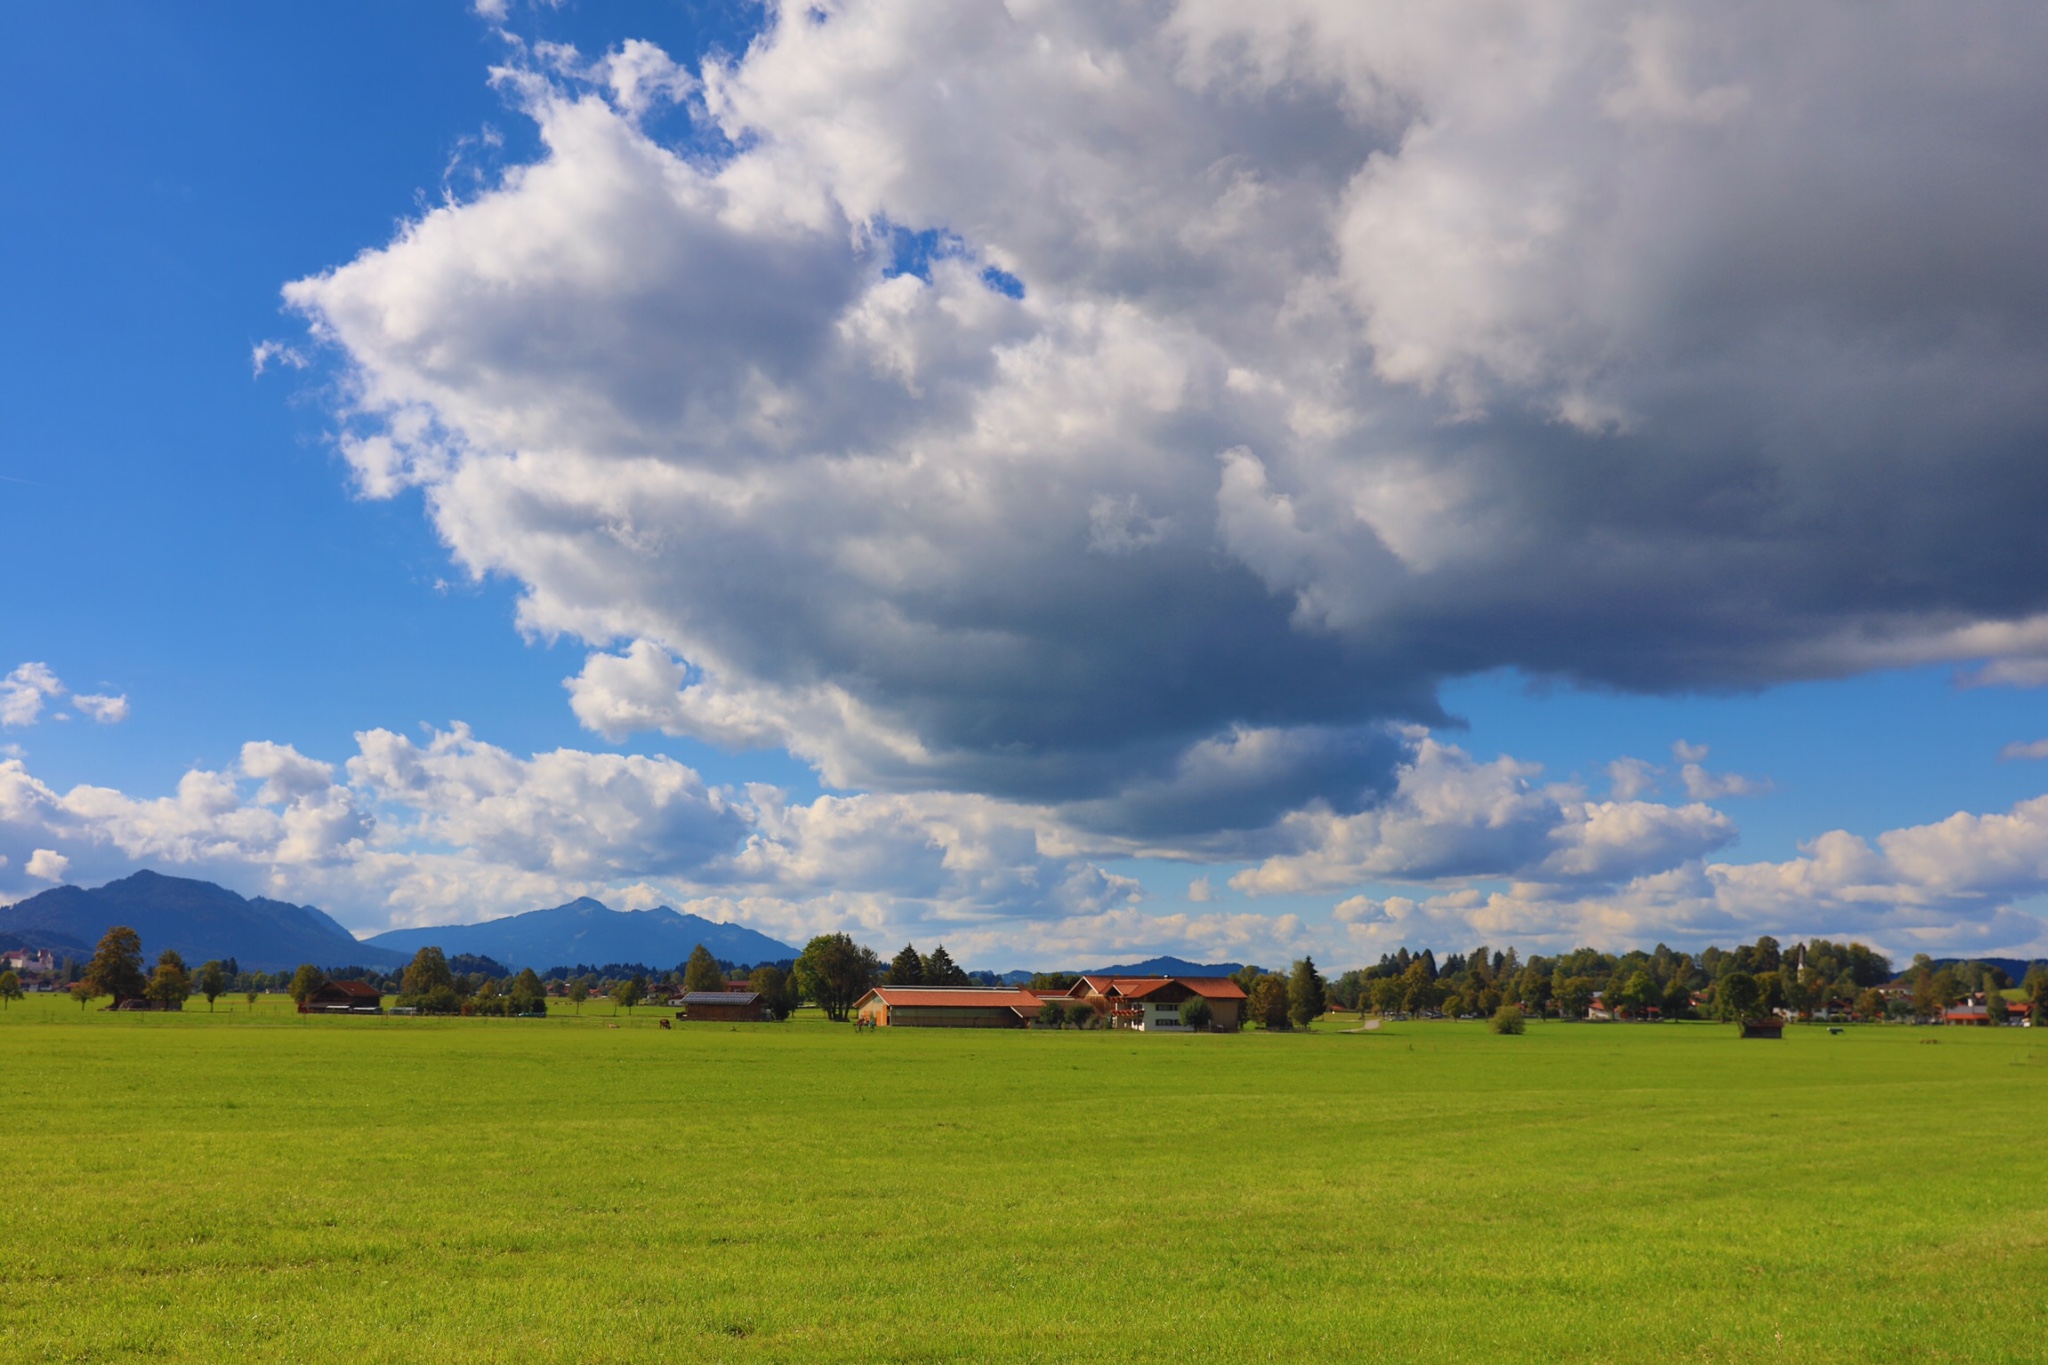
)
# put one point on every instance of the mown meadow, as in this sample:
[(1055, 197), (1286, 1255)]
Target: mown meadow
[(267, 1187)]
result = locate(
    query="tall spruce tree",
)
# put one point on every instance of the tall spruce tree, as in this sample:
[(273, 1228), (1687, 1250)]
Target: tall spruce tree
[(701, 972), (941, 970), (907, 969), (1306, 996)]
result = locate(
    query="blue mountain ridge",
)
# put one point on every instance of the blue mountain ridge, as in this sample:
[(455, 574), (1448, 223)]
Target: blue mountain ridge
[(1151, 966), (588, 931), (197, 919)]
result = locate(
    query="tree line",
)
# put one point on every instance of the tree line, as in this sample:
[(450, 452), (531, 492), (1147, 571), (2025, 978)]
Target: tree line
[(833, 972), (1841, 979)]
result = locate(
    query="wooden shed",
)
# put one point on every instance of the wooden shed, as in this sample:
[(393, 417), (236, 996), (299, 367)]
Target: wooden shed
[(935, 1007), (344, 997), (723, 1007)]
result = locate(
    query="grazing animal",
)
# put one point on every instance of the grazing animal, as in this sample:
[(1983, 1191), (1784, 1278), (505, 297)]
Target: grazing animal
[(662, 1022)]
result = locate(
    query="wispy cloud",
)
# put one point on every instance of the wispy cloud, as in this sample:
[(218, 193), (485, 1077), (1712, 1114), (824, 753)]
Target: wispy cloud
[(24, 692)]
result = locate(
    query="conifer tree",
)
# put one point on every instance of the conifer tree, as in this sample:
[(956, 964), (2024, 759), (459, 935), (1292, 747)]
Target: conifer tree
[(940, 969), (907, 969), (1306, 996)]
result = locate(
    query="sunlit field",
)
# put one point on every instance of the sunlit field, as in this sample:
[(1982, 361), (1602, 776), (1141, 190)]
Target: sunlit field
[(271, 1187)]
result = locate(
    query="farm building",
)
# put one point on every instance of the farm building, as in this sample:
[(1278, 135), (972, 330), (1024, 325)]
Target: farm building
[(722, 1007), (963, 1007), (343, 997), (1967, 1012), (1152, 1003)]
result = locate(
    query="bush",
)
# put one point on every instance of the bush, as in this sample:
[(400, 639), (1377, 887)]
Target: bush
[(1051, 1015), (1195, 1013), (1082, 1015), (1507, 1019)]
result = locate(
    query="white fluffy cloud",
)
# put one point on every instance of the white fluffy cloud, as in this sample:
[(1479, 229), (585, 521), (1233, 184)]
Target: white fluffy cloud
[(1451, 818), (24, 692), (450, 828), (1019, 399), (48, 864)]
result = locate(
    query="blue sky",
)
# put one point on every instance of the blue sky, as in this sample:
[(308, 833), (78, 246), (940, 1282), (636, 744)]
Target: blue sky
[(200, 539)]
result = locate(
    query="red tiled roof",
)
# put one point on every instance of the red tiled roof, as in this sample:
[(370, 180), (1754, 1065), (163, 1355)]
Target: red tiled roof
[(922, 997), (1208, 987), (355, 988)]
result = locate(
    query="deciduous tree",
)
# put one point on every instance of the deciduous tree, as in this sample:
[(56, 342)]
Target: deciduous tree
[(1573, 994), (701, 972), (579, 991), (116, 966), (772, 984), (528, 995), (1636, 994), (170, 983), (306, 982), (10, 988), (1268, 1003), (630, 992), (1737, 996), (834, 971), (212, 982), (1196, 1014)]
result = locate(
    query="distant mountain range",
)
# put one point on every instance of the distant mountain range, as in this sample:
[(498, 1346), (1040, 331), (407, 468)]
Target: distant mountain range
[(1167, 966), (1151, 966), (2014, 967), (202, 921), (590, 932), (198, 919)]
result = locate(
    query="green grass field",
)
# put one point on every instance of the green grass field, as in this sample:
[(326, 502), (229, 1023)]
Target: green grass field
[(237, 1187)]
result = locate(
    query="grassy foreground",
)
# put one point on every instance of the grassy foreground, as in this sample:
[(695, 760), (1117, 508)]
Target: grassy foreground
[(271, 1188)]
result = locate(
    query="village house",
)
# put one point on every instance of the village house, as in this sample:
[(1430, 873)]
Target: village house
[(1971, 1011), (344, 997), (948, 1007), (1152, 1004), (722, 1007), (37, 960)]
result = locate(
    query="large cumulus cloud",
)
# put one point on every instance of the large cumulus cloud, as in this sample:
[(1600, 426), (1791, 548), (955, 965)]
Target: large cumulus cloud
[(1358, 346)]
